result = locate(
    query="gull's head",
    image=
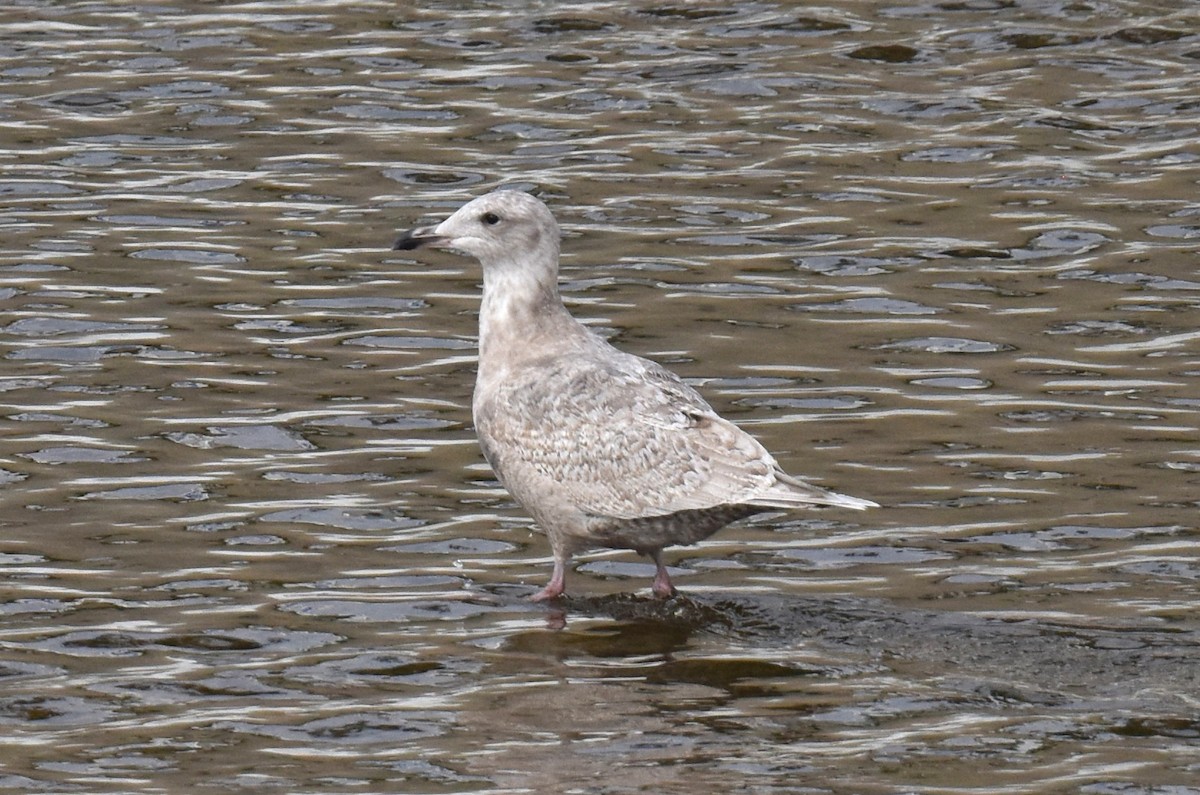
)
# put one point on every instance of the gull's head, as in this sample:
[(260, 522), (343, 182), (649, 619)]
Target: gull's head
[(499, 228)]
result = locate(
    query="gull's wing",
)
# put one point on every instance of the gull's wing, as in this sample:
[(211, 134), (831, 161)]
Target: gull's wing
[(619, 436)]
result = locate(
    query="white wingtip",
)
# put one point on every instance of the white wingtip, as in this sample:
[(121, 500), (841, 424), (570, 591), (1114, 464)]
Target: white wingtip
[(846, 501), (790, 492)]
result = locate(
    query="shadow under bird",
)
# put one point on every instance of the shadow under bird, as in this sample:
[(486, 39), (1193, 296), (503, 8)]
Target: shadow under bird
[(602, 448)]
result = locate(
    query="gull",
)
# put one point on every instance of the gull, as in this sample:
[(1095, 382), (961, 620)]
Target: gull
[(604, 449)]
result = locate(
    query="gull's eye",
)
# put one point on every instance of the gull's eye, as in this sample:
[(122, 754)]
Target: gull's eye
[(491, 219)]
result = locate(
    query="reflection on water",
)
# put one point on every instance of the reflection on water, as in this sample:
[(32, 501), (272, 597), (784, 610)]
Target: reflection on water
[(940, 255)]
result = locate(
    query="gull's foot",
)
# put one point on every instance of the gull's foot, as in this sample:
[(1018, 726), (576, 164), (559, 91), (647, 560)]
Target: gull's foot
[(548, 593), (556, 586)]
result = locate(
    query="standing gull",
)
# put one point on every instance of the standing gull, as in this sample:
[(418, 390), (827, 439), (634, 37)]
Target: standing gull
[(603, 448)]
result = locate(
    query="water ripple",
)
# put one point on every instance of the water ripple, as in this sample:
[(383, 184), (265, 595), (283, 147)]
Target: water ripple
[(939, 254)]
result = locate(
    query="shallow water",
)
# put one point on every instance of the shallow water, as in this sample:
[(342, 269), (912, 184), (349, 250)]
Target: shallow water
[(941, 256)]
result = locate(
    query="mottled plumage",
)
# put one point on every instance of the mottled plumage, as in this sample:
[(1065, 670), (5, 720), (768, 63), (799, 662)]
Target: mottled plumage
[(603, 448)]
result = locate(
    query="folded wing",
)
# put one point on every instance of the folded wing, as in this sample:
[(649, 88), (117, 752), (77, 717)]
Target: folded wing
[(621, 437)]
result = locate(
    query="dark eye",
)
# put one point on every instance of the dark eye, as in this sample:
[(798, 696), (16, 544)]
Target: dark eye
[(491, 219)]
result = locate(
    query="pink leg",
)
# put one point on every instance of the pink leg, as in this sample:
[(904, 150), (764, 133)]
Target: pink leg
[(662, 586), (557, 584)]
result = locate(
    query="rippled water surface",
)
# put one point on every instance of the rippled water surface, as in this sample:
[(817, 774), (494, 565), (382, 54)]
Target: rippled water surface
[(939, 255)]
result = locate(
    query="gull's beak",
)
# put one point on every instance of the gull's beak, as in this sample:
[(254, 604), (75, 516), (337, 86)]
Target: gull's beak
[(415, 238)]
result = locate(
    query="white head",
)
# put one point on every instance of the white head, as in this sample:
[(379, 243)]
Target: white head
[(504, 229)]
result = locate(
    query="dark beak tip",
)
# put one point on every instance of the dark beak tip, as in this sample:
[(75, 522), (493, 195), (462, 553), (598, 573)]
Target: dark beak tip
[(407, 242)]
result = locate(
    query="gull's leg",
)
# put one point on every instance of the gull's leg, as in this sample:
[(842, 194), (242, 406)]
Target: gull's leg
[(557, 584), (662, 586)]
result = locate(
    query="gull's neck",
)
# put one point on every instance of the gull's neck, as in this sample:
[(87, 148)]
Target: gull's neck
[(520, 312)]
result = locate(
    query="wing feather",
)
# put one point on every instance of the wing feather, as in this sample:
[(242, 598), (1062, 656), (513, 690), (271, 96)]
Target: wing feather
[(618, 437)]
